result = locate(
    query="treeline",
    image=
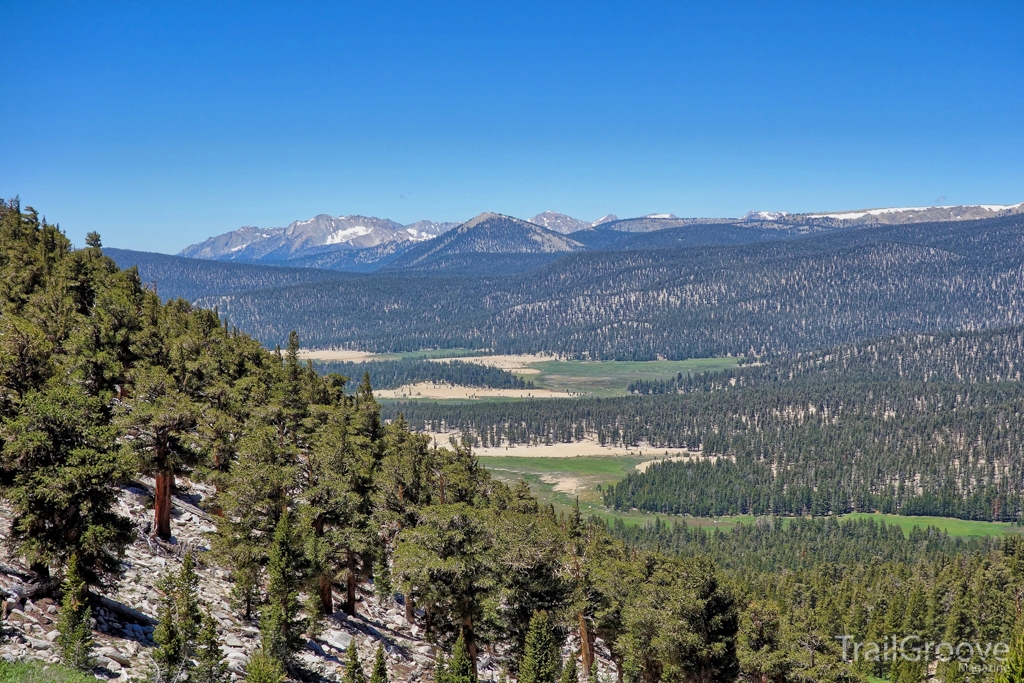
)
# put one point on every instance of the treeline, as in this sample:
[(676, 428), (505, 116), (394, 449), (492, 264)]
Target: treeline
[(810, 582), (391, 374), (782, 296)]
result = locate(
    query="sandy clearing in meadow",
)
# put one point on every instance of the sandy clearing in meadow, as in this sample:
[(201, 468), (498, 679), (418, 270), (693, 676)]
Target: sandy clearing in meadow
[(429, 390), (588, 447), (563, 484)]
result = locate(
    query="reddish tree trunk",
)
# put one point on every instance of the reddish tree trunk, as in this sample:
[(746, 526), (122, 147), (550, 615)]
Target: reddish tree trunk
[(162, 503), (350, 586), (586, 644), (410, 609), (470, 637), (326, 595)]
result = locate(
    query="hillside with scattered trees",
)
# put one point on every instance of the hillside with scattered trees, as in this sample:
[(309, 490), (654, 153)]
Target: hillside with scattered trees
[(788, 295)]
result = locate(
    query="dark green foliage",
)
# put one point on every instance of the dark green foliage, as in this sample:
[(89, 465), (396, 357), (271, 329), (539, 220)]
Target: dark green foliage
[(67, 322), (280, 623), (383, 588), (391, 374), (263, 668), (75, 640), (180, 623), (540, 657), (447, 562), (1012, 670), (441, 669), (380, 667), (353, 668), (209, 668), (570, 671), (462, 668)]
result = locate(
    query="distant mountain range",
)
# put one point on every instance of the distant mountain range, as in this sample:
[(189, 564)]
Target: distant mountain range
[(495, 244), (319, 235), (504, 242), (895, 216)]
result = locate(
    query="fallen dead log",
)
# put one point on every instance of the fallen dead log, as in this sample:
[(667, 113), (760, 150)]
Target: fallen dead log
[(126, 612)]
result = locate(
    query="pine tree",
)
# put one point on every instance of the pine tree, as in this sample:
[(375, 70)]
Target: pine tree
[(1012, 669), (188, 615), (263, 668), (209, 667), (59, 462), (353, 669), (540, 657), (592, 674), (159, 416), (461, 669), (170, 651), (279, 621), (380, 667), (570, 672), (75, 640), (180, 621), (441, 668), (383, 588)]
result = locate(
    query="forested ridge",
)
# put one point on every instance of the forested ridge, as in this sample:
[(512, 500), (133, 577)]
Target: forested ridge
[(175, 277), (781, 296)]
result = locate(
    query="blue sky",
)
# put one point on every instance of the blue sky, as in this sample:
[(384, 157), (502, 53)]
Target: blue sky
[(160, 124)]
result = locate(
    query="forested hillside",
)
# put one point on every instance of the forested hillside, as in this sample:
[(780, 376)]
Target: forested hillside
[(787, 295), (177, 277), (101, 384), (815, 581)]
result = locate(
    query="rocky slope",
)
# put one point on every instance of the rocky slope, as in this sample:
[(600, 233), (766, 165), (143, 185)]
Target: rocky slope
[(125, 617), (559, 222)]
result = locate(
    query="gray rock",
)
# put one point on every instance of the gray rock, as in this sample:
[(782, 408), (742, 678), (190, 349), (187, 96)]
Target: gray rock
[(113, 654), (37, 644), (338, 640)]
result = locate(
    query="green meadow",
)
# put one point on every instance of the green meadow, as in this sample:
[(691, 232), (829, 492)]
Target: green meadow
[(559, 481), (605, 378)]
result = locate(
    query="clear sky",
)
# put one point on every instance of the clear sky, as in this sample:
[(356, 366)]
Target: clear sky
[(159, 124)]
